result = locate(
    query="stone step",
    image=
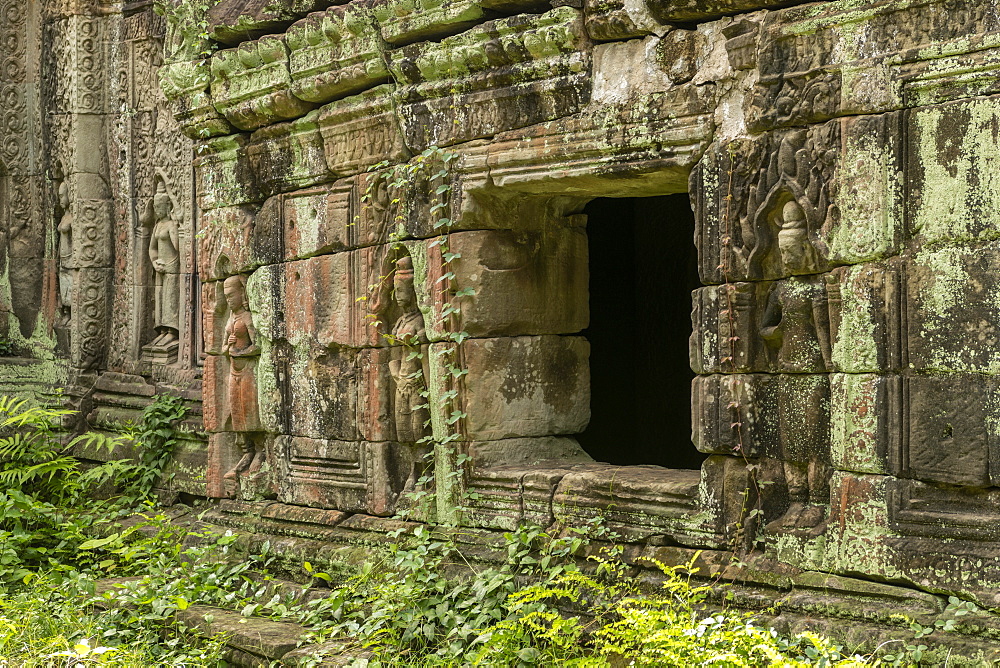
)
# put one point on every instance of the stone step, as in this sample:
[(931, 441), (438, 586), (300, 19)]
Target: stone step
[(255, 641)]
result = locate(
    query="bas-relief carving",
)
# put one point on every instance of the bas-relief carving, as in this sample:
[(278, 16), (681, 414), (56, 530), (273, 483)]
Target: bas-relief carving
[(164, 254), (411, 413), (242, 351), (796, 328), (777, 190), (410, 406), (788, 207), (67, 264), (783, 209)]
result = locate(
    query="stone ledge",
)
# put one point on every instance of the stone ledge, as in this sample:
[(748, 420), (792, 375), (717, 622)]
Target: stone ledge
[(255, 636)]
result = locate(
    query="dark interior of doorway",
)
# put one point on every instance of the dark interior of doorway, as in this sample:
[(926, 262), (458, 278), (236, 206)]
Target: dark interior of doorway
[(643, 267)]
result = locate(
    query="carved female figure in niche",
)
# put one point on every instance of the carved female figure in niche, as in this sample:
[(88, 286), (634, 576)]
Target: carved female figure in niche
[(796, 322), (165, 255), (407, 372), (65, 230), (798, 255), (795, 328), (242, 350)]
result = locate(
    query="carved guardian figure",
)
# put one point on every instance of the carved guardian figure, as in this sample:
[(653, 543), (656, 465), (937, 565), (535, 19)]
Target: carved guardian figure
[(66, 259), (407, 372), (242, 350), (165, 255)]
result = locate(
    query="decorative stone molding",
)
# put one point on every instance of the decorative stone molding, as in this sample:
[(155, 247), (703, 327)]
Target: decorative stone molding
[(251, 85), (498, 76), (336, 53)]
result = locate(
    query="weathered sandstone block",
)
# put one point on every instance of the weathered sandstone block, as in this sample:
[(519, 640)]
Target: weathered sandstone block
[(653, 141), (251, 85), (798, 201), (867, 426), (518, 481), (527, 453), (325, 300), (820, 61), (307, 223), (335, 53), (953, 199), (516, 387), (847, 319), (962, 526), (233, 21), (953, 430), (340, 393), (361, 131), (953, 316), (637, 501), (781, 416), (186, 86), (224, 248), (403, 22), (289, 156), (682, 11), (617, 19), (223, 173), (346, 475), (502, 75), (495, 498), (522, 283)]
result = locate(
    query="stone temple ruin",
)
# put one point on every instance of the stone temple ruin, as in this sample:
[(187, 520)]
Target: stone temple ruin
[(460, 257)]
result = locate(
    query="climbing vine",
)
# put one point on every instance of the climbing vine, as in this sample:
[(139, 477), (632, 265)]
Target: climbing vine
[(187, 28), (157, 438), (431, 170)]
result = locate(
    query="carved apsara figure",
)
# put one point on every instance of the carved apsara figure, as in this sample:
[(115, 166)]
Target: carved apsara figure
[(796, 331), (242, 350), (788, 205), (411, 413), (796, 322), (66, 260), (165, 255), (798, 255)]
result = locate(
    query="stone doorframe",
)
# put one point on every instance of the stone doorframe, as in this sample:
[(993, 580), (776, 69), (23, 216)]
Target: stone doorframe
[(517, 469)]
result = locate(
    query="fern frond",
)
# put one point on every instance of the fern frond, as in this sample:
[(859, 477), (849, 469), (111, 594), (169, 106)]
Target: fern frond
[(27, 447), (43, 472), (35, 416), (99, 442), (113, 471), (11, 405)]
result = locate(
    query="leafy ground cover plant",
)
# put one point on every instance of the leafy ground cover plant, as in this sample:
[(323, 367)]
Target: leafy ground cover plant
[(48, 498), (422, 602), (50, 558), (541, 608), (43, 624)]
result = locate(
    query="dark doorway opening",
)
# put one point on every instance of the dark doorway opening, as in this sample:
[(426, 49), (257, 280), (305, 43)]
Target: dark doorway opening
[(643, 267)]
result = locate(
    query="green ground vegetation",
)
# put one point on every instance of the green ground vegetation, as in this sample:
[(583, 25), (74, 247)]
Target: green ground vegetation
[(92, 573)]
